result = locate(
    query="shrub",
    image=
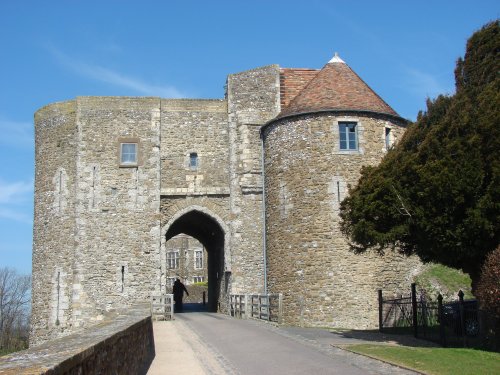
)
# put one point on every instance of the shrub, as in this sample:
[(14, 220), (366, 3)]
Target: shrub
[(488, 289)]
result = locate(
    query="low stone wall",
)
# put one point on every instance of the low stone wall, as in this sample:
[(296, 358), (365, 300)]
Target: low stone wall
[(123, 344), (196, 294)]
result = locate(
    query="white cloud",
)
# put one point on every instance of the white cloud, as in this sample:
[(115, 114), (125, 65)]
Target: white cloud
[(15, 215), (16, 133), (15, 192), (103, 74), (424, 84), (15, 201)]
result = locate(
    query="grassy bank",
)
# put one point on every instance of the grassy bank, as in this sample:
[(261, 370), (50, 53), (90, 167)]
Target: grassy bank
[(442, 361)]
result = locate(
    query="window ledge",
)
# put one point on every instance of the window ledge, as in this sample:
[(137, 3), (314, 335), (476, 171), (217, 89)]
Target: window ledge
[(129, 165), (349, 152)]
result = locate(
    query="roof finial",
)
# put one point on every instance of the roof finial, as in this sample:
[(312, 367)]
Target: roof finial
[(336, 59)]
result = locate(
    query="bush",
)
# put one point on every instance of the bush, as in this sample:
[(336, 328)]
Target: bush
[(488, 289)]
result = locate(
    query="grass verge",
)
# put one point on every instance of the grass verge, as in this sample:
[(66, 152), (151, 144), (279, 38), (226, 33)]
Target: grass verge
[(434, 361)]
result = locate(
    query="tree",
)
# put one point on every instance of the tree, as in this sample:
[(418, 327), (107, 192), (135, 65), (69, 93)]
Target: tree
[(14, 309), (437, 193)]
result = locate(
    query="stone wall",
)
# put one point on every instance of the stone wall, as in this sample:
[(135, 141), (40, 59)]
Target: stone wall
[(101, 226), (122, 344), (54, 220), (117, 230), (309, 260), (253, 99)]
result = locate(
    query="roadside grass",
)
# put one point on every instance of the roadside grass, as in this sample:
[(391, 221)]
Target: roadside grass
[(434, 361), (437, 278)]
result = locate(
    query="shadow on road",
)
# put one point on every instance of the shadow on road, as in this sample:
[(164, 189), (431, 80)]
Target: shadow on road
[(193, 307), (375, 336)]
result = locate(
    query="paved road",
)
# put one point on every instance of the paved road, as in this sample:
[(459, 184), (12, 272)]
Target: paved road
[(208, 343)]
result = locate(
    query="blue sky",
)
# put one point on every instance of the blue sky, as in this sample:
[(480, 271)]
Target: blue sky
[(56, 50)]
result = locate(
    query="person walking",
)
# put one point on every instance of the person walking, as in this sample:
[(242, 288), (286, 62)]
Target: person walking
[(178, 291)]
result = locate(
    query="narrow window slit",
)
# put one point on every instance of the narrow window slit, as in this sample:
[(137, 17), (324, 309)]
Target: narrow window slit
[(123, 278), (58, 296), (94, 174), (60, 190)]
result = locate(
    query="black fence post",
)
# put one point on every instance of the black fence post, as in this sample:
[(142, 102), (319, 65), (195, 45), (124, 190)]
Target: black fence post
[(442, 335), (380, 310), (414, 309), (462, 317)]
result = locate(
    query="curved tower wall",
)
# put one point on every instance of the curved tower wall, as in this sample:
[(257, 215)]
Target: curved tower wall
[(54, 219), (96, 225), (306, 177)]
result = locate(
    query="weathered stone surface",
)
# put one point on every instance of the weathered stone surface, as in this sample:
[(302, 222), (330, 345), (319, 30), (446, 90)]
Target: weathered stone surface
[(102, 227), (308, 257)]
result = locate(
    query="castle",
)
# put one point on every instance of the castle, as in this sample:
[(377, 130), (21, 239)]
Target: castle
[(256, 177)]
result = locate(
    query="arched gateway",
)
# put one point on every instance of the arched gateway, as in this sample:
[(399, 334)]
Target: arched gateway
[(256, 177), (205, 226)]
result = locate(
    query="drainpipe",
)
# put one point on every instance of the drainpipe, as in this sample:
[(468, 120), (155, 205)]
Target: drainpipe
[(159, 220), (264, 246)]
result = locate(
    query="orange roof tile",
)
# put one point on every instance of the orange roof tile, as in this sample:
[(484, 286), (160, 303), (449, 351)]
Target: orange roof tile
[(336, 88)]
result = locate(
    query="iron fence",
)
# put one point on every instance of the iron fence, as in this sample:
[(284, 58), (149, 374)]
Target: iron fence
[(453, 323)]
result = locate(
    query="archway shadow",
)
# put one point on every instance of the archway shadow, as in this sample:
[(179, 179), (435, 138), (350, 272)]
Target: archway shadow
[(193, 307)]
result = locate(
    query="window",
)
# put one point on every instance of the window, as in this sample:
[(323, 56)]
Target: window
[(128, 153), (198, 259), (193, 160), (388, 142), (348, 136), (197, 279), (173, 259)]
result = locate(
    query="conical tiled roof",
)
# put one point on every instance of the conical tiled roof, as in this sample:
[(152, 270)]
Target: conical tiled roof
[(336, 88)]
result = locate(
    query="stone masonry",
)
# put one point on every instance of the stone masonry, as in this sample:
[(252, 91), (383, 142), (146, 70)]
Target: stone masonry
[(256, 178)]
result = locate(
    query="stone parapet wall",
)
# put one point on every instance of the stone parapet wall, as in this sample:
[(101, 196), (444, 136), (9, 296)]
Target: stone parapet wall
[(122, 344)]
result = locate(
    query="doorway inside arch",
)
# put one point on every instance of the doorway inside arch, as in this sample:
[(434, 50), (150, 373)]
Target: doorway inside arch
[(196, 239)]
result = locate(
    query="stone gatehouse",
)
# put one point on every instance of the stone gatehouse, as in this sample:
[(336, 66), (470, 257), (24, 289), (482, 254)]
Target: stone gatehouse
[(118, 177)]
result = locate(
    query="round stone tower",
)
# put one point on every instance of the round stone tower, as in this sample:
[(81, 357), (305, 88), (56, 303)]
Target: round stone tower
[(54, 220), (313, 151)]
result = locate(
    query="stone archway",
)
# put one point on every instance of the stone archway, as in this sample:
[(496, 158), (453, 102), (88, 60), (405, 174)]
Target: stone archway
[(212, 232)]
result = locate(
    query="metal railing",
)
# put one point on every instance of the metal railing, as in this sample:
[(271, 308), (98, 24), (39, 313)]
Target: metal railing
[(454, 323), (162, 306), (257, 306)]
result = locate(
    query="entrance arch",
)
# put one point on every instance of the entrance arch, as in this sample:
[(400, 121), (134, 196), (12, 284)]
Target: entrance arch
[(212, 232)]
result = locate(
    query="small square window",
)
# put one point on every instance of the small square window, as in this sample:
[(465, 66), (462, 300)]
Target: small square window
[(128, 153), (348, 136), (198, 279), (193, 160)]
